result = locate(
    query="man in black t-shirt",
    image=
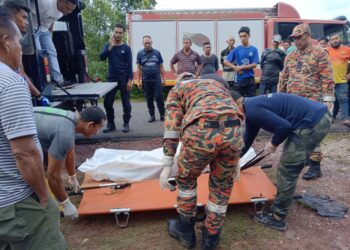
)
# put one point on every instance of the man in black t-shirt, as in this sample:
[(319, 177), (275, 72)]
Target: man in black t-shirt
[(151, 75)]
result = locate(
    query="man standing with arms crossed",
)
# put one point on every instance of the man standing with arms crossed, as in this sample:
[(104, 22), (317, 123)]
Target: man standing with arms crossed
[(339, 56), (29, 218), (186, 60), (150, 65), (247, 59), (228, 73), (307, 72), (119, 70)]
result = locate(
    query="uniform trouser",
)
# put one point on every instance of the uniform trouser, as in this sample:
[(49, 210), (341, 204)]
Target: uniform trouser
[(265, 87), (296, 149), (43, 40), (125, 94), (219, 149), (26, 225), (247, 87), (154, 90)]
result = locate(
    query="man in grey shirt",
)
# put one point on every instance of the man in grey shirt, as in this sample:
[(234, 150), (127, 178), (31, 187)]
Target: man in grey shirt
[(56, 132), (210, 61)]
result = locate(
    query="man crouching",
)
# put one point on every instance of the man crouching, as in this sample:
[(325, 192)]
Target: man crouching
[(202, 114)]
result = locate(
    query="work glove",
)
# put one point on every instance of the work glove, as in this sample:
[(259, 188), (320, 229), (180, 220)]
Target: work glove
[(330, 107), (269, 148), (69, 210), (43, 101), (73, 183), (168, 162)]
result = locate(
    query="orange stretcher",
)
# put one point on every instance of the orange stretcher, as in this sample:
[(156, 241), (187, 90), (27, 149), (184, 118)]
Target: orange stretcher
[(102, 198)]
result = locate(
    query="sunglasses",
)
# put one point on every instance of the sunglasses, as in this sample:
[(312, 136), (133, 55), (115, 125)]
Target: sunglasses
[(297, 37)]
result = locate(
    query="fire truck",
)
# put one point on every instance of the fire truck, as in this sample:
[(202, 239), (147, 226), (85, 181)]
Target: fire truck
[(168, 27)]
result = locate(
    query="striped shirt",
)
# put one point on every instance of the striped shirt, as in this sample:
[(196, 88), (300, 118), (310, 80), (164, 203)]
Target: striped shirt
[(16, 120), (186, 63)]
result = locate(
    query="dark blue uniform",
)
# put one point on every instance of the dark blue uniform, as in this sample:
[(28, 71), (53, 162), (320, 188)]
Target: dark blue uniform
[(298, 121), (119, 70), (150, 62)]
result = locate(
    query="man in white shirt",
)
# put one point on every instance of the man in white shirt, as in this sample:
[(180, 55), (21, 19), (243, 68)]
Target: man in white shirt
[(49, 12)]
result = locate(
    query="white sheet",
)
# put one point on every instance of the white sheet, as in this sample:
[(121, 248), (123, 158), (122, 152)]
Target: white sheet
[(132, 165)]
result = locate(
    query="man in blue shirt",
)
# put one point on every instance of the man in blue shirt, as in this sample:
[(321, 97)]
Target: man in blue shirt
[(119, 70), (150, 65), (298, 121), (247, 58)]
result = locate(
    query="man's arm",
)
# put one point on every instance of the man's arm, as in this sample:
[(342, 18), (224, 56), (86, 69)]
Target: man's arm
[(33, 90), (253, 64), (229, 60), (54, 177), (216, 63), (326, 77), (130, 72), (70, 162), (173, 61), (138, 76), (162, 73), (251, 131), (30, 166), (172, 122), (284, 76), (199, 65), (105, 52)]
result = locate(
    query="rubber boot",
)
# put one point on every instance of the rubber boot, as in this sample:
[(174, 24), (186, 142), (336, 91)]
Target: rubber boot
[(162, 117), (125, 127), (152, 118), (210, 242), (110, 127), (313, 172), (182, 229)]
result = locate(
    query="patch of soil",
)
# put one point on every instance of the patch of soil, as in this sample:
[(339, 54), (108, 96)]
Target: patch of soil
[(306, 230)]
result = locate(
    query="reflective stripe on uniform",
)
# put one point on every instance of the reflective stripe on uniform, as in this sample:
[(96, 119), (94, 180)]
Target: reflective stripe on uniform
[(187, 193), (212, 207), (171, 134)]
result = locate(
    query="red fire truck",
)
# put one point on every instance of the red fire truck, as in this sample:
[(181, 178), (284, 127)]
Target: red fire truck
[(167, 28)]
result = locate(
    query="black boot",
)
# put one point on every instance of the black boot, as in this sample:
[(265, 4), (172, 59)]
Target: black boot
[(152, 118), (314, 171), (110, 127), (126, 128), (182, 229), (162, 117), (210, 242)]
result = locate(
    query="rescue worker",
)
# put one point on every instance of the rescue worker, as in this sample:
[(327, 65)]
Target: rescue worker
[(56, 133), (300, 122), (202, 114), (308, 72)]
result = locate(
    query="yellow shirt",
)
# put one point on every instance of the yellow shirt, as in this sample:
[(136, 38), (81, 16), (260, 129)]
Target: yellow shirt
[(339, 58)]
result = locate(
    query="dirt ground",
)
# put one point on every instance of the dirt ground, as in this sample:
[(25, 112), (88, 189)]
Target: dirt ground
[(306, 230)]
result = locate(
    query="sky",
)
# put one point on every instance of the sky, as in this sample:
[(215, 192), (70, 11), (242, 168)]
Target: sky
[(308, 9)]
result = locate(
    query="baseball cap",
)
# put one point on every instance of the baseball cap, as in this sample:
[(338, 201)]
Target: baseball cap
[(185, 76), (300, 30), (217, 78), (277, 38), (15, 4)]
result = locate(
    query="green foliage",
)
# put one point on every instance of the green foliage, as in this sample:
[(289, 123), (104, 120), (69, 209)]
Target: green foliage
[(99, 18)]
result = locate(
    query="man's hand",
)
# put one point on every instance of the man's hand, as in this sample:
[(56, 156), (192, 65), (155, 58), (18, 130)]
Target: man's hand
[(69, 210), (73, 182), (112, 42), (43, 101), (163, 81), (270, 148), (330, 107), (168, 162), (129, 87), (347, 77), (44, 201), (163, 179), (139, 84)]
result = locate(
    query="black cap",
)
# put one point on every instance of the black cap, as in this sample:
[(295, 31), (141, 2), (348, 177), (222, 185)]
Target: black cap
[(244, 29), (15, 4), (235, 95)]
